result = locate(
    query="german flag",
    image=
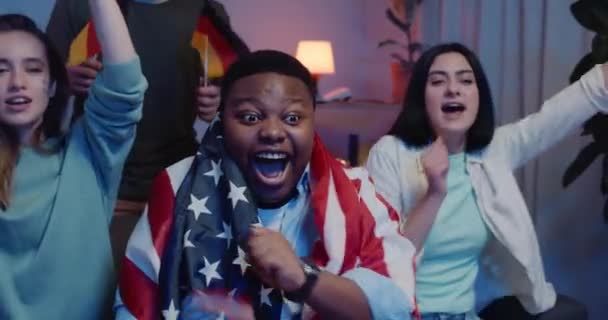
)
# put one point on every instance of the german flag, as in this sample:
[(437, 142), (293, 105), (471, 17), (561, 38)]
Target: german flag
[(86, 44), (217, 42)]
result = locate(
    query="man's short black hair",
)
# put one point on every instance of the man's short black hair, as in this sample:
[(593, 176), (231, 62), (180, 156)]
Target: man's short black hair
[(264, 61)]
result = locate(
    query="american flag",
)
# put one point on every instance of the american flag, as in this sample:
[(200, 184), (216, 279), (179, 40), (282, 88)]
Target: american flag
[(200, 211)]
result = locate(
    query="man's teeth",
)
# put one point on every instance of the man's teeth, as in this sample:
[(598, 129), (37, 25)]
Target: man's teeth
[(271, 155), (270, 164)]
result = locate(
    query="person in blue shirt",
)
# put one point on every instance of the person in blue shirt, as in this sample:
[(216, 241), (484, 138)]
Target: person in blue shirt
[(264, 221), (57, 189)]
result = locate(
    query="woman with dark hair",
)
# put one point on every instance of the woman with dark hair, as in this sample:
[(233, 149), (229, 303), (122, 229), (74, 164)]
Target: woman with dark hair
[(57, 189), (445, 166), (413, 125)]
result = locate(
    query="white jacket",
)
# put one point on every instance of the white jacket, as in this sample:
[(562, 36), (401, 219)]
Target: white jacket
[(512, 256)]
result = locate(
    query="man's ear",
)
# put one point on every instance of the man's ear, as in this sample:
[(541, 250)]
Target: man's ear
[(52, 89)]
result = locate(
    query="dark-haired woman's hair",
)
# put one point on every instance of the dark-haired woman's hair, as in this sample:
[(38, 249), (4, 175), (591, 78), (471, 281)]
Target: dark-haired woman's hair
[(52, 118), (413, 125)]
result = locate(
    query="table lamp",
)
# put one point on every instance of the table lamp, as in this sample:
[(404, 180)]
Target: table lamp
[(318, 57)]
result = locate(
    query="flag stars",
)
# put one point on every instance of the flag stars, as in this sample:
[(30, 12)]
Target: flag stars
[(215, 172), (232, 293), (210, 271), (187, 242), (265, 295), (293, 307), (236, 194), (227, 234), (198, 206), (172, 313), (241, 260)]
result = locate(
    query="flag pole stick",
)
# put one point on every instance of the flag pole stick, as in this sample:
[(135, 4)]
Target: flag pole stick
[(206, 62)]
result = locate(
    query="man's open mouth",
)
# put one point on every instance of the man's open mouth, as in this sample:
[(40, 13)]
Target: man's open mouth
[(270, 167)]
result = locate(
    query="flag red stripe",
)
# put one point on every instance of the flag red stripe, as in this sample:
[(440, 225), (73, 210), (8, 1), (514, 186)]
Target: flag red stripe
[(220, 44), (319, 186), (160, 211), (319, 254), (93, 46), (392, 213), (373, 248), (138, 293), (348, 197)]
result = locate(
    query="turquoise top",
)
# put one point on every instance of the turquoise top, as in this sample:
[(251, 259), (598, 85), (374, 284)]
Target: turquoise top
[(55, 257), (446, 274)]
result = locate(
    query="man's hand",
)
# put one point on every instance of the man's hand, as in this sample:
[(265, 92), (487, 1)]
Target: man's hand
[(274, 260), (207, 102), (81, 77)]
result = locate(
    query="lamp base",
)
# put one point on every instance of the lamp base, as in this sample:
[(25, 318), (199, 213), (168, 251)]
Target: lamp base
[(315, 83)]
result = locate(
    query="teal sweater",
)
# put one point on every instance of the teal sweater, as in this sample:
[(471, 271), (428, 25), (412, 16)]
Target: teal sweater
[(55, 257)]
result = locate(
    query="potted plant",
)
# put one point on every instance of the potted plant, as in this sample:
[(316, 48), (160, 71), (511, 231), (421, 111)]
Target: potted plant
[(401, 13), (593, 15)]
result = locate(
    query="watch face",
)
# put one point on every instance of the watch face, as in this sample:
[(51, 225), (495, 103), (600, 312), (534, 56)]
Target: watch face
[(311, 271), (308, 269)]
